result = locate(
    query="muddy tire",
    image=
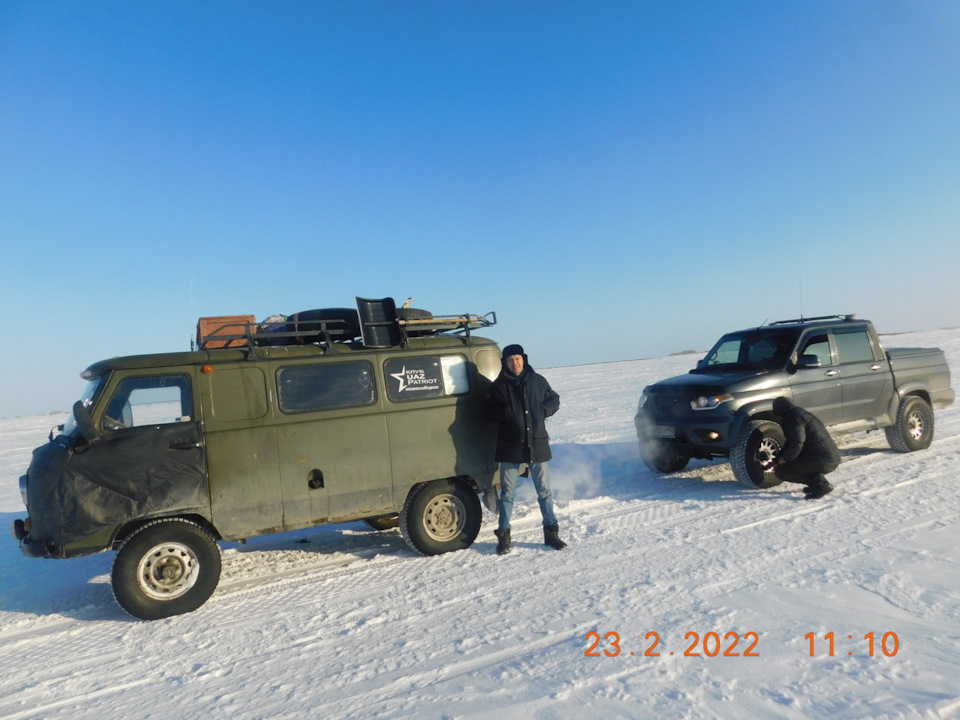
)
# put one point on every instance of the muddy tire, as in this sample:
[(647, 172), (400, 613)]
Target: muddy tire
[(662, 457), (440, 516), (167, 567), (913, 429), (383, 523), (759, 441)]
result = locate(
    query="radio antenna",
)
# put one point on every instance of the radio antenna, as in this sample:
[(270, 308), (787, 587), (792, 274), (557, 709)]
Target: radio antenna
[(800, 282)]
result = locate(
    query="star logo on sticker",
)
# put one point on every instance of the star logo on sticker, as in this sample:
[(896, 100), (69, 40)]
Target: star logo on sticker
[(400, 376)]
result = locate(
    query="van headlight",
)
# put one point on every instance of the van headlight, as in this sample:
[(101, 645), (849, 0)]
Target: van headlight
[(709, 402)]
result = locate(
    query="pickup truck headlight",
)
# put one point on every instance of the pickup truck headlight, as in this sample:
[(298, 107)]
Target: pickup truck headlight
[(709, 402), (643, 400)]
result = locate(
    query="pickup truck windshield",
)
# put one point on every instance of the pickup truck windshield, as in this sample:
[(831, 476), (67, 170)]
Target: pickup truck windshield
[(750, 350)]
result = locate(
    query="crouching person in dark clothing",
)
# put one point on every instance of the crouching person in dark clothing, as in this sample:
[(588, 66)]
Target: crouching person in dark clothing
[(520, 400), (809, 452)]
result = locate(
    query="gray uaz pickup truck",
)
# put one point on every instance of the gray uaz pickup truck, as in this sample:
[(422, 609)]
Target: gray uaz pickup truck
[(832, 366)]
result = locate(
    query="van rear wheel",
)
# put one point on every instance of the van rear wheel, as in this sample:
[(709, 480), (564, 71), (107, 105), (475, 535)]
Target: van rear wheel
[(167, 567), (440, 516)]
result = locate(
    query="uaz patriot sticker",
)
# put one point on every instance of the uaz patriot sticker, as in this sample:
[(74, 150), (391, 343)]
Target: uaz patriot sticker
[(415, 377)]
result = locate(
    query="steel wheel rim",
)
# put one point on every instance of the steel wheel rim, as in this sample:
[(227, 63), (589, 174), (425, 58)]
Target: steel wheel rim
[(167, 571), (916, 426), (767, 450), (444, 518)]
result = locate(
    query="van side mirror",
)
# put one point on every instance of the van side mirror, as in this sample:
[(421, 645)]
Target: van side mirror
[(809, 361), (85, 423)]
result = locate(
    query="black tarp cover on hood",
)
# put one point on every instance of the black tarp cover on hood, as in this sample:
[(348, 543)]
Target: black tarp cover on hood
[(128, 474)]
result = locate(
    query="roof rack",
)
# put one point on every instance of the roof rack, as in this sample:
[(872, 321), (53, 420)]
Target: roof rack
[(843, 318), (378, 323), (383, 325)]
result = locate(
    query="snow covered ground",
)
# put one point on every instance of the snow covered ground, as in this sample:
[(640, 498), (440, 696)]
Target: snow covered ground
[(343, 622)]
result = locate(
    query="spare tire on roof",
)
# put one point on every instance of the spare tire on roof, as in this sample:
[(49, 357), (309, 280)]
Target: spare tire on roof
[(416, 314), (339, 323)]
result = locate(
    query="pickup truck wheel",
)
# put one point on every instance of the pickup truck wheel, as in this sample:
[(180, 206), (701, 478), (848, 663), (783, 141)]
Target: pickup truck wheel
[(759, 442), (383, 523), (167, 567), (913, 429), (440, 516), (661, 457)]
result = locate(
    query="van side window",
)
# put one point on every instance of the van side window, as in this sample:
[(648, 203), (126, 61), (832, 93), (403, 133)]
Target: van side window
[(306, 388), (412, 378), (152, 400), (854, 347)]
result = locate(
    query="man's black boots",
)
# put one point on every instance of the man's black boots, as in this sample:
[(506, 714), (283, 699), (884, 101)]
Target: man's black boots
[(551, 537), (817, 490), (503, 541)]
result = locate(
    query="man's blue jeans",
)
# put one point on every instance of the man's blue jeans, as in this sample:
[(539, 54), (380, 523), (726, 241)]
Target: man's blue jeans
[(508, 485)]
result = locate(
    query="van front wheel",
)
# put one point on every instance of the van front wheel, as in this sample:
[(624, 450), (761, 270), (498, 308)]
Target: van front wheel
[(440, 516), (167, 567)]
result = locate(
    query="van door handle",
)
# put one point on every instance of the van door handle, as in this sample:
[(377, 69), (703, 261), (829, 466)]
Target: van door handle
[(876, 367), (184, 446), (831, 373)]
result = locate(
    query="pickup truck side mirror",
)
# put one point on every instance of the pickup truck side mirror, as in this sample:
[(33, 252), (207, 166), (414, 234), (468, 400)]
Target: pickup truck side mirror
[(809, 361)]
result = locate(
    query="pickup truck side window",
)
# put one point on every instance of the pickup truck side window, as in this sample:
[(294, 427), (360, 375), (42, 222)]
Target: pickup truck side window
[(151, 400), (854, 347), (818, 345), (412, 378), (306, 388)]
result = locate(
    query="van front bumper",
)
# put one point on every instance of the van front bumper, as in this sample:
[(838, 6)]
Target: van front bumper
[(30, 548)]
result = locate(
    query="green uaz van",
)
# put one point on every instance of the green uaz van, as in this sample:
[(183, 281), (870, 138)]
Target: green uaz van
[(372, 415)]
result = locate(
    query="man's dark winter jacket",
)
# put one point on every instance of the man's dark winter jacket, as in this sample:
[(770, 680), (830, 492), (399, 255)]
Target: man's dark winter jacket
[(521, 403), (806, 436)]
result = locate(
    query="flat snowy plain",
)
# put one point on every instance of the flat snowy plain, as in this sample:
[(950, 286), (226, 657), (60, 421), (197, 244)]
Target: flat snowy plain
[(343, 622)]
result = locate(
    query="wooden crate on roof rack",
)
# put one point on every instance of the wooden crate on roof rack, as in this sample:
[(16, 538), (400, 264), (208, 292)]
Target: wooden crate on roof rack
[(225, 330)]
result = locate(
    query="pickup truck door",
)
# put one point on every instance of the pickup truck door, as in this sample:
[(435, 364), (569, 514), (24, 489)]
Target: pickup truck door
[(817, 389), (865, 377)]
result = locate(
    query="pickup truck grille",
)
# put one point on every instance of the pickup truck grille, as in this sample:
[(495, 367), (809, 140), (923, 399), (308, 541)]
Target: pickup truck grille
[(671, 405)]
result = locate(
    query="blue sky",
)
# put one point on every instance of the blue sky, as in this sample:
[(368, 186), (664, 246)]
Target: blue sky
[(615, 179)]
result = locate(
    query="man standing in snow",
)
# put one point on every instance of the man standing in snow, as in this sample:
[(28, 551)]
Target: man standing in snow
[(809, 452), (520, 400)]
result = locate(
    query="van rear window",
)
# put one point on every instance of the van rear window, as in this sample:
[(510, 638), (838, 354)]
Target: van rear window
[(306, 388)]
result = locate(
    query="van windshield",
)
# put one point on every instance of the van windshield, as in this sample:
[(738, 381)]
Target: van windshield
[(87, 398), (751, 350)]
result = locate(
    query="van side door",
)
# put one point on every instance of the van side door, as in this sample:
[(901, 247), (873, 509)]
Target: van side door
[(241, 445), (332, 441)]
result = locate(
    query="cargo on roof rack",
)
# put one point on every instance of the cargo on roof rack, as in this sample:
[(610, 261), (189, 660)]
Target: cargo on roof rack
[(378, 323)]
